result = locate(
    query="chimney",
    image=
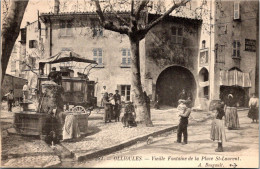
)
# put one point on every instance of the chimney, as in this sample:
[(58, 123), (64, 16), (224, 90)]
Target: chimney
[(56, 6)]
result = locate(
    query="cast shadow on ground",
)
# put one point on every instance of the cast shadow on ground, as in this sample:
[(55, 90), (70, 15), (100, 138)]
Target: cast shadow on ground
[(95, 118), (92, 130), (234, 148)]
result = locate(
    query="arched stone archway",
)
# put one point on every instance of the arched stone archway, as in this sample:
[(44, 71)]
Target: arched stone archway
[(170, 83), (203, 78)]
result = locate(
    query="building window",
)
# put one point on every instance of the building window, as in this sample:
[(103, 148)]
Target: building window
[(65, 28), (177, 35), (236, 49), (236, 11), (97, 31), (98, 55), (203, 44), (125, 92), (126, 57), (32, 43)]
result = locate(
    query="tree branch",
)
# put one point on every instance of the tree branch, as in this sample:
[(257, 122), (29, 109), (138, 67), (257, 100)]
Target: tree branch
[(118, 16), (142, 5), (109, 24), (132, 7), (29, 66), (153, 23)]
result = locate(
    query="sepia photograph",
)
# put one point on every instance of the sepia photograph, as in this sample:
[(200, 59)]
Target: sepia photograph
[(129, 84)]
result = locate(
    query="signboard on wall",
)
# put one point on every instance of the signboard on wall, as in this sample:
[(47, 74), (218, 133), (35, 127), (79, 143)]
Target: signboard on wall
[(250, 45), (204, 57)]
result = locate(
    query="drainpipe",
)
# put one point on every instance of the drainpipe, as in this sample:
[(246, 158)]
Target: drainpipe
[(49, 69)]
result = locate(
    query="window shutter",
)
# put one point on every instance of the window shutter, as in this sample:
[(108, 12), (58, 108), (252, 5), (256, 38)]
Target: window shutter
[(94, 52), (123, 52), (100, 52), (238, 44), (236, 11)]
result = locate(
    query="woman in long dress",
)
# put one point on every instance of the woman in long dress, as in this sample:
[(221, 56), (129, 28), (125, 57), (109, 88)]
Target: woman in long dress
[(231, 116), (217, 127), (253, 111)]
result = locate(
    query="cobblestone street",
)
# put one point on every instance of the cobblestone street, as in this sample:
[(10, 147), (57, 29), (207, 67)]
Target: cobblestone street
[(163, 152), (26, 151)]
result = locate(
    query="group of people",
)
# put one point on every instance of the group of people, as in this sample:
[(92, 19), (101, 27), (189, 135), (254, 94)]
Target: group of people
[(222, 110), (112, 106), (229, 110)]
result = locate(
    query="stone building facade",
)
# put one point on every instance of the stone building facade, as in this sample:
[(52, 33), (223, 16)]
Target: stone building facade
[(81, 33), (209, 54), (171, 61), (172, 44), (235, 50)]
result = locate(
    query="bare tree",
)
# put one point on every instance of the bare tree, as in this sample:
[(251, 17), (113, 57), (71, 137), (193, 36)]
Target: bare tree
[(10, 30), (136, 30)]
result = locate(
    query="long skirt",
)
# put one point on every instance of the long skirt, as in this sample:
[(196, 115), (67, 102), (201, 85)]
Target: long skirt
[(217, 131), (231, 118), (253, 113), (71, 128)]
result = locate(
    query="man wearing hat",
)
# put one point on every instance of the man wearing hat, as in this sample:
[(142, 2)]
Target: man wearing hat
[(25, 91), (10, 100), (117, 99), (54, 76)]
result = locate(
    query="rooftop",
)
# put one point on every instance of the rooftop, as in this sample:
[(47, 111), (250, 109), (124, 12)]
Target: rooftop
[(64, 14)]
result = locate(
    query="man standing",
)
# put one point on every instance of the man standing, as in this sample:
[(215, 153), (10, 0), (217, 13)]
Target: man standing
[(10, 100), (25, 91), (183, 124), (55, 76), (103, 91), (117, 99)]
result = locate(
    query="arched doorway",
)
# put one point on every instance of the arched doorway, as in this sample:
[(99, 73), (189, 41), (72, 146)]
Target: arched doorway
[(204, 87), (170, 83)]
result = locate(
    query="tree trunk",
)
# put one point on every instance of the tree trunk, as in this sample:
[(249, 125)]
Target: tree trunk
[(10, 31), (138, 96)]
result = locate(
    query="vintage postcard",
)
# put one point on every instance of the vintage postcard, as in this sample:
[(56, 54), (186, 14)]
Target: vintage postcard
[(129, 83)]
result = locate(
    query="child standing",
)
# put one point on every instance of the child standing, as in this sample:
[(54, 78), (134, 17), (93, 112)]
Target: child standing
[(217, 127), (10, 100)]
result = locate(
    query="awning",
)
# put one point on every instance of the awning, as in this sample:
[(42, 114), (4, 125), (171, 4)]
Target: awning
[(65, 56), (235, 78)]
